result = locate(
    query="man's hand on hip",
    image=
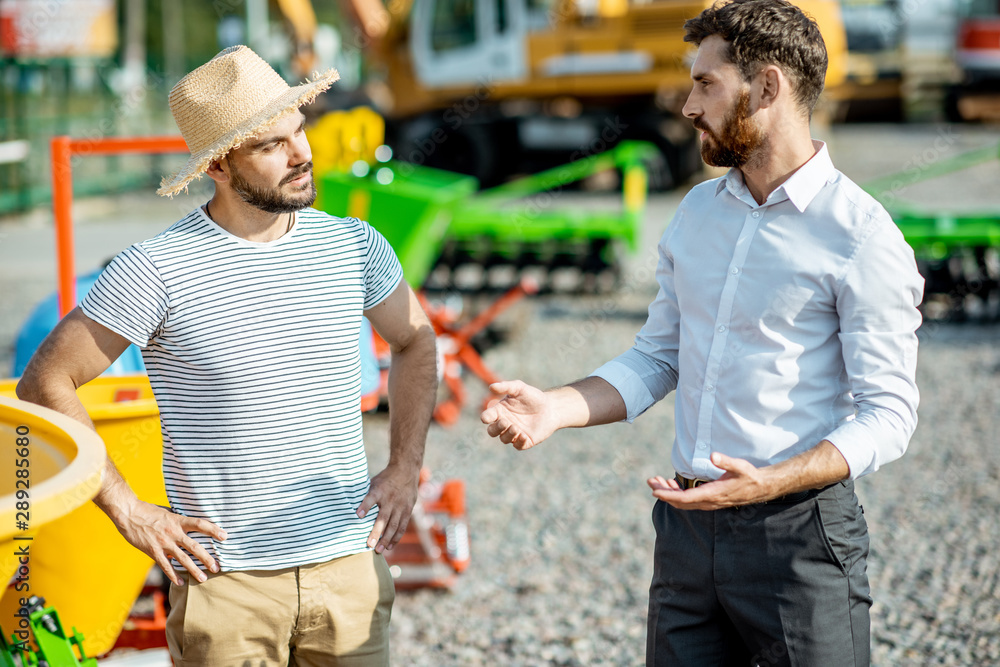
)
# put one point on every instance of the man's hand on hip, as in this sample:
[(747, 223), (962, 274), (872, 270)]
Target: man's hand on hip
[(161, 534), (394, 490)]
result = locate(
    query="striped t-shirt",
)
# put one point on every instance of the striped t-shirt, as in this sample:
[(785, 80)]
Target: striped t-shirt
[(252, 353)]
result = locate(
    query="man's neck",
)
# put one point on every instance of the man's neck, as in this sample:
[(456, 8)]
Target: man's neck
[(247, 222), (782, 156)]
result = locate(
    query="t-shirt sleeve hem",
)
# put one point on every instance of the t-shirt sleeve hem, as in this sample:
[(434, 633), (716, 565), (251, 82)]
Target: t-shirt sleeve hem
[(111, 325), (383, 294)]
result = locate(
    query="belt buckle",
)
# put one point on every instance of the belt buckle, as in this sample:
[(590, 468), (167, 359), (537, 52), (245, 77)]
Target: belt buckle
[(688, 483)]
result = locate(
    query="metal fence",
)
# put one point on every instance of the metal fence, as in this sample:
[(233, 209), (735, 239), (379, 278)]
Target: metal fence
[(83, 99)]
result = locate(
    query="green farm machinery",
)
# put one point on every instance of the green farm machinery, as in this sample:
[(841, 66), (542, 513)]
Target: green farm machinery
[(958, 251), (53, 647), (451, 236)]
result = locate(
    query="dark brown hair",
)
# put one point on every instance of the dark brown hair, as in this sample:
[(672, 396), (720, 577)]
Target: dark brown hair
[(767, 32)]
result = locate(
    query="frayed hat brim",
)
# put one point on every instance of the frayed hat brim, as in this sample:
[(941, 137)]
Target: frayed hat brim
[(288, 102)]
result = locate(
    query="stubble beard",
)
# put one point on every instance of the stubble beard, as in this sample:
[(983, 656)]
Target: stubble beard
[(739, 140), (273, 200)]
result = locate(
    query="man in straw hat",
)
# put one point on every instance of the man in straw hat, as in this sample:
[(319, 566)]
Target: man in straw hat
[(248, 311)]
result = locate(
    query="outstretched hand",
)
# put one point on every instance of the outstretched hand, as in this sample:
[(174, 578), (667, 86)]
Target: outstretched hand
[(162, 535), (523, 417), (741, 484)]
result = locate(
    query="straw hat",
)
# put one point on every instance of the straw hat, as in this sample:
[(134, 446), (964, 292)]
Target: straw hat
[(232, 98)]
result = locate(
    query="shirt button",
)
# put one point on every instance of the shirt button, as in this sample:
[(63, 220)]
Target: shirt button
[(709, 388), (702, 445), (722, 328), (756, 214), (734, 270)]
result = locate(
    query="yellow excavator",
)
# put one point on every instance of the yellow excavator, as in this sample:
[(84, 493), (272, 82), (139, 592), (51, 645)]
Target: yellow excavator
[(493, 88)]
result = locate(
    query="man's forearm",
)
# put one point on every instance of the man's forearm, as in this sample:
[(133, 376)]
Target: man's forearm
[(588, 402), (744, 484), (58, 395), (115, 495), (412, 395), (813, 469)]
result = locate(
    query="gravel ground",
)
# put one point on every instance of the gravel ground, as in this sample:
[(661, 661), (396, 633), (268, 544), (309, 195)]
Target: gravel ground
[(561, 536), (562, 541)]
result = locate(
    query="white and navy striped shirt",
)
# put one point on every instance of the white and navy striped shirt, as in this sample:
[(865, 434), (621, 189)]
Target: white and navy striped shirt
[(252, 352)]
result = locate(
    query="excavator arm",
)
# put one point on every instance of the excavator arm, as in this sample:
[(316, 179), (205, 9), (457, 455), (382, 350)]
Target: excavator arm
[(301, 20)]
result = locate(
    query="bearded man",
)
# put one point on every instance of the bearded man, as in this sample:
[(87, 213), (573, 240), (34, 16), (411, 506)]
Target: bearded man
[(785, 321), (248, 312)]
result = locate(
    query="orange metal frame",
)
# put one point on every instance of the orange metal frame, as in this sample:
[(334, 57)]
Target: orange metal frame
[(458, 349), (63, 150)]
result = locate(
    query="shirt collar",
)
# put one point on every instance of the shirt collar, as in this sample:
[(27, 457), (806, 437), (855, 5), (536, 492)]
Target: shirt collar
[(800, 188), (732, 181)]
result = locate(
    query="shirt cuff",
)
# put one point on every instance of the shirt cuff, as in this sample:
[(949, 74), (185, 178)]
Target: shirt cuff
[(629, 384), (854, 442)]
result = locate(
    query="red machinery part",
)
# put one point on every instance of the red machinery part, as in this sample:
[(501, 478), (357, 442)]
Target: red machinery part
[(979, 44)]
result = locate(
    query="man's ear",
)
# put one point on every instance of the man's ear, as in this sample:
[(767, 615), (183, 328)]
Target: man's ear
[(771, 82), (217, 172)]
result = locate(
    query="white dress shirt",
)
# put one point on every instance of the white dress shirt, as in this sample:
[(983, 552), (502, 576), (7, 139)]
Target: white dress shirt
[(780, 325)]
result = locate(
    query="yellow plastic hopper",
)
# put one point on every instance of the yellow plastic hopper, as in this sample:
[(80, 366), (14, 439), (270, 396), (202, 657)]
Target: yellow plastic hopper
[(62, 462), (80, 563)]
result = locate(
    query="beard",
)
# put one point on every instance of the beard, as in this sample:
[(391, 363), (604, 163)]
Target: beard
[(274, 200), (737, 142)]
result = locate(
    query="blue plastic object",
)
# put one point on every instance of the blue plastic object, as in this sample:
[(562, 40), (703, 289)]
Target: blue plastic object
[(44, 319), (370, 379)]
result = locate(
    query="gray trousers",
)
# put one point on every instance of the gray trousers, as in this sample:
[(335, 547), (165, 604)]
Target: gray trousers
[(778, 583)]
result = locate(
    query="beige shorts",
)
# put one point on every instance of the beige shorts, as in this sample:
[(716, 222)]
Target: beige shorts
[(333, 613)]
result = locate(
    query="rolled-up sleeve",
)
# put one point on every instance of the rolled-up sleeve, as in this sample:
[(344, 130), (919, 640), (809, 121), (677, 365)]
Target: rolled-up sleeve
[(648, 371), (877, 305)]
